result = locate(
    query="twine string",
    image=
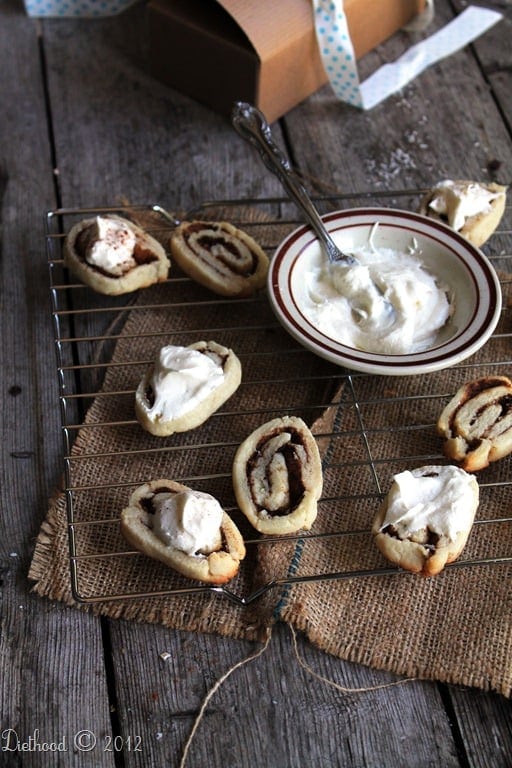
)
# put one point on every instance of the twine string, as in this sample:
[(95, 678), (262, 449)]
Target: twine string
[(214, 690), (302, 663), (332, 683)]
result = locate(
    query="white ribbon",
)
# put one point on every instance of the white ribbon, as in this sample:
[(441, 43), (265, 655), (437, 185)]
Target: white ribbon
[(340, 63)]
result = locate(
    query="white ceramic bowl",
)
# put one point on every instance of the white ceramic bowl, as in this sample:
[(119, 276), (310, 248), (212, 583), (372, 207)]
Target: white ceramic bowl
[(446, 254)]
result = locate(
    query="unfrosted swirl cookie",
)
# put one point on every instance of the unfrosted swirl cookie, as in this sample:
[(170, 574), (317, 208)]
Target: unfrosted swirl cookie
[(472, 208), (219, 256), (277, 476), (185, 386), (184, 529), (114, 256), (477, 422), (426, 518)]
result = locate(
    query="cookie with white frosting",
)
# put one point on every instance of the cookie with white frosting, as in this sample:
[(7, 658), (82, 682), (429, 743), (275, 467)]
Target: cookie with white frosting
[(426, 518), (277, 476), (185, 386), (186, 530), (476, 424), (114, 255), (220, 256), (472, 208)]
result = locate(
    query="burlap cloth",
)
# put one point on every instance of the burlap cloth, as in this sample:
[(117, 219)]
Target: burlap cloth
[(455, 627)]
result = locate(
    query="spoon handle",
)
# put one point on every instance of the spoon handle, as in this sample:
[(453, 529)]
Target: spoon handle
[(251, 124)]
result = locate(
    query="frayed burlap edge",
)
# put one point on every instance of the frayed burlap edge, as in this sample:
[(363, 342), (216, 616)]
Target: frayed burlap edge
[(378, 641), (49, 570)]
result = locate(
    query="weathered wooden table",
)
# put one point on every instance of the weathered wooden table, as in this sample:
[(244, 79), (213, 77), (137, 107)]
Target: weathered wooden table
[(83, 124)]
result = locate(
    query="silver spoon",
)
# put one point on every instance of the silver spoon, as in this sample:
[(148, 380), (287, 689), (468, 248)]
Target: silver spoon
[(251, 124), (370, 307)]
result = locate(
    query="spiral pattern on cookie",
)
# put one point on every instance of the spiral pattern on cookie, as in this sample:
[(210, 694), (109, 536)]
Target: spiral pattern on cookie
[(274, 473), (477, 422), (214, 244), (278, 477), (220, 257)]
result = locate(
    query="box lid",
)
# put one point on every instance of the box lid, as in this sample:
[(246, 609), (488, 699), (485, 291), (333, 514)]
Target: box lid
[(270, 25)]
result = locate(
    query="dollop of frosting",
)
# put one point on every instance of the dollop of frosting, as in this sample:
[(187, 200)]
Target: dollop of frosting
[(460, 200), (388, 303), (111, 245), (439, 498), (182, 378), (189, 521)]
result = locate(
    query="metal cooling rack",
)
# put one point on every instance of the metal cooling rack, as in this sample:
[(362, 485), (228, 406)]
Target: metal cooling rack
[(87, 326)]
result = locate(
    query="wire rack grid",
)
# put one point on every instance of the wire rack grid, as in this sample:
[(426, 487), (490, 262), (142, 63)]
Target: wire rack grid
[(368, 428)]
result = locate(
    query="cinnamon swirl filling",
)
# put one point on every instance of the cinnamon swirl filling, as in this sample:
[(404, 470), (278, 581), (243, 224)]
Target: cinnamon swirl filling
[(477, 422), (274, 473), (224, 253), (277, 476), (220, 257)]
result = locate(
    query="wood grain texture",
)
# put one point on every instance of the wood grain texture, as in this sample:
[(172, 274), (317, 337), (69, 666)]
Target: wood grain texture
[(51, 658), (272, 711), (115, 133), (445, 124)]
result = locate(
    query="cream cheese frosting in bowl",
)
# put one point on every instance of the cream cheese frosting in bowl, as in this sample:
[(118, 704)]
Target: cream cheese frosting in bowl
[(421, 297)]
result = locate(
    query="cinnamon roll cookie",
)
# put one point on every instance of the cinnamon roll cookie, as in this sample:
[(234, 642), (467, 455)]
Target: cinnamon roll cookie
[(474, 209), (113, 255), (277, 476), (184, 529), (219, 256), (477, 422), (426, 518), (185, 386)]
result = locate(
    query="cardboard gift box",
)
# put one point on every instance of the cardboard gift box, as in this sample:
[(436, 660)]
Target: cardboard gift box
[(261, 51)]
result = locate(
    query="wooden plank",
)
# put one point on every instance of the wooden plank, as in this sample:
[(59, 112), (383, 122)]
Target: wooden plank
[(485, 725), (460, 135), (271, 711), (428, 137), (224, 166), (494, 56), (51, 658), (123, 135), (484, 720)]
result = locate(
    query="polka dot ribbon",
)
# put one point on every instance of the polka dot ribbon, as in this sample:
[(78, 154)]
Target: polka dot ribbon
[(76, 8), (337, 50), (340, 63)]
